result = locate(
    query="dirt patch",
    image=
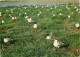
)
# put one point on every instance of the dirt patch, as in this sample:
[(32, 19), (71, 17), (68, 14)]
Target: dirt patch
[(75, 50)]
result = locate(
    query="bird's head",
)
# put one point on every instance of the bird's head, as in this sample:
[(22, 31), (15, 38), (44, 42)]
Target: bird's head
[(5, 37), (56, 39), (47, 34)]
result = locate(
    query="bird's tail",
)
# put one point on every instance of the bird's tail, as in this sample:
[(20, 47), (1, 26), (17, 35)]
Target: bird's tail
[(11, 39), (62, 43)]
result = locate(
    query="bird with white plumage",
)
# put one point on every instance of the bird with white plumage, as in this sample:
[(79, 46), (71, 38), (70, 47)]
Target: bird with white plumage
[(57, 44), (53, 14), (60, 13), (13, 17), (36, 6), (38, 14), (30, 20), (42, 6), (35, 25), (55, 6), (69, 16), (10, 15), (19, 14), (6, 40), (3, 22), (51, 8), (6, 10), (26, 17), (49, 36), (77, 26), (47, 9), (11, 10), (77, 9), (24, 7), (47, 6), (25, 13)]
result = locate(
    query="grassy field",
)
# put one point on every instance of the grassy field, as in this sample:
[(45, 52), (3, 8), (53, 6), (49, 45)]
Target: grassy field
[(29, 42), (43, 0)]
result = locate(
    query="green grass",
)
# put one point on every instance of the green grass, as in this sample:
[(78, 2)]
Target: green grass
[(28, 42), (44, 0)]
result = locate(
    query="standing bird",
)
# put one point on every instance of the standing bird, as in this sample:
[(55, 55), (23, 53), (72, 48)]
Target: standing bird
[(49, 36), (38, 14), (26, 17), (69, 16), (67, 7), (59, 13), (53, 14), (10, 15), (30, 20), (25, 13), (7, 39), (77, 26), (36, 7), (13, 18), (6, 10), (35, 25), (3, 21), (19, 14), (57, 43), (11, 10)]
